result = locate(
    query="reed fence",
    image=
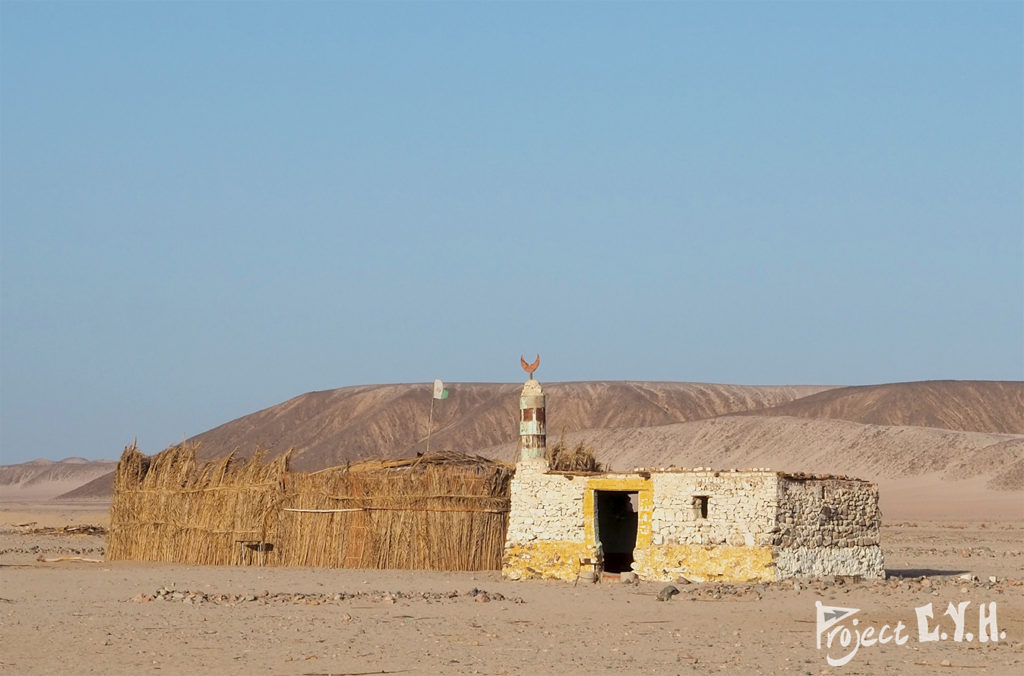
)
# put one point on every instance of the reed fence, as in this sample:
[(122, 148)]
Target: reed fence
[(445, 511)]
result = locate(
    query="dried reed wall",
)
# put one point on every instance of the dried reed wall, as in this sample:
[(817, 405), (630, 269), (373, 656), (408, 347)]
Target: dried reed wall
[(442, 512), (167, 508)]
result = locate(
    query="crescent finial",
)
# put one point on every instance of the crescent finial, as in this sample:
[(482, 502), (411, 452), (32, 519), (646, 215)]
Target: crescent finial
[(530, 368)]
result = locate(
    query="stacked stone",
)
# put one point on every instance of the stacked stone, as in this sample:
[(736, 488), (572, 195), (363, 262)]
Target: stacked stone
[(759, 525), (741, 508), (828, 527), (545, 507), (828, 512)]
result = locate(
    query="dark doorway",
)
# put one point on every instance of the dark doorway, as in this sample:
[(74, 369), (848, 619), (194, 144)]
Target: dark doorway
[(616, 528)]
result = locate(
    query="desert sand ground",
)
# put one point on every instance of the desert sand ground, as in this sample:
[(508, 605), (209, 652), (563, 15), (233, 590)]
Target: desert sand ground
[(77, 617)]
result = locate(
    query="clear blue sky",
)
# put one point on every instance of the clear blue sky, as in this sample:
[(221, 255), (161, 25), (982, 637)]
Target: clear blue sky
[(209, 208)]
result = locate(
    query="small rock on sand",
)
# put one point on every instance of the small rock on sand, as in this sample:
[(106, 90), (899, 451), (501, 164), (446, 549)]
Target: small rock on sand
[(667, 593)]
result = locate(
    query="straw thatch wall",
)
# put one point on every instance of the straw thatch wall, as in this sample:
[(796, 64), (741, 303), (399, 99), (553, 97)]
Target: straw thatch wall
[(439, 512), (167, 508)]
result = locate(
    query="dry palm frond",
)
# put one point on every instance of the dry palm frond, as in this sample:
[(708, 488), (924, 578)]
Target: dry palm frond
[(579, 458)]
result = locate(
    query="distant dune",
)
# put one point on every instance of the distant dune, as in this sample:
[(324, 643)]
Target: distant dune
[(947, 448), (923, 473), (355, 423), (966, 405), (818, 446), (101, 487), (45, 479), (333, 427)]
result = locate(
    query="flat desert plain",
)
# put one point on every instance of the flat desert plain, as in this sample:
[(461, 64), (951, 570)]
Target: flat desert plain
[(81, 617)]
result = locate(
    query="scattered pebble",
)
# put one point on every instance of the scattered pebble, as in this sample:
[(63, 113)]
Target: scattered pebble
[(316, 599)]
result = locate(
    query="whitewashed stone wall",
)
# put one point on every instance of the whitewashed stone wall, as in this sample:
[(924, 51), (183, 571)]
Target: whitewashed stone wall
[(741, 508), (828, 527), (865, 562), (545, 506), (814, 527)]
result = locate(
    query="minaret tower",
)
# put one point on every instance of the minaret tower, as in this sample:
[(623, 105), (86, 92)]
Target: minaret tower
[(532, 432)]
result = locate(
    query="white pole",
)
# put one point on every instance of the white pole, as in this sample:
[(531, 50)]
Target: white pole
[(430, 421)]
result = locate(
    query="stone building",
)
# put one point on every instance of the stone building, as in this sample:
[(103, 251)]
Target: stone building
[(702, 524)]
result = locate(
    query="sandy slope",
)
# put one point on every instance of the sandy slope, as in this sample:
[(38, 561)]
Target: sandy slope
[(353, 423), (968, 405), (923, 473), (44, 479), (933, 498), (796, 444)]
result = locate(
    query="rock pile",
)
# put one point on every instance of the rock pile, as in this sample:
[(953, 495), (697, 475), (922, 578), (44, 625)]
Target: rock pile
[(936, 585), (64, 551), (189, 597)]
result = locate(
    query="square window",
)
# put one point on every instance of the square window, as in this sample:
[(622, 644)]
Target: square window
[(700, 506)]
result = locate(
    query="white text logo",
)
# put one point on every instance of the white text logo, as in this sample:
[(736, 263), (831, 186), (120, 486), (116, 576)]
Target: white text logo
[(841, 635)]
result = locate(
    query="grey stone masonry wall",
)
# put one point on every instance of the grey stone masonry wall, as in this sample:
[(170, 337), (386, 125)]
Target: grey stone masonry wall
[(828, 527), (741, 508), (827, 513)]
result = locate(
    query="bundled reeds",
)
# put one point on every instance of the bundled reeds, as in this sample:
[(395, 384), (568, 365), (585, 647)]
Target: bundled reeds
[(166, 508), (443, 512), (437, 512), (579, 458)]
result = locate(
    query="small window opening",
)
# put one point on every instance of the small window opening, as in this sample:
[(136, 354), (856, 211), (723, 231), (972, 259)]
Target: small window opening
[(700, 506)]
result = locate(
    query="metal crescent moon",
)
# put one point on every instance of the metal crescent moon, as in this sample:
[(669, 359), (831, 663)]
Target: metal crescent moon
[(530, 368)]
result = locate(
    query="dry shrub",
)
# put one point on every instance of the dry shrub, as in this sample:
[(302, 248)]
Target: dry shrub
[(579, 458)]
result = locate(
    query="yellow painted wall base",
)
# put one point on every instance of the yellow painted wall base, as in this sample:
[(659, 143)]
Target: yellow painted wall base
[(561, 561), (705, 563), (545, 559)]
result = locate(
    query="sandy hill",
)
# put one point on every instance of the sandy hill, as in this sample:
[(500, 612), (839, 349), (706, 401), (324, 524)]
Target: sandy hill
[(354, 423), (922, 472), (45, 479), (332, 427), (967, 405), (816, 446)]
